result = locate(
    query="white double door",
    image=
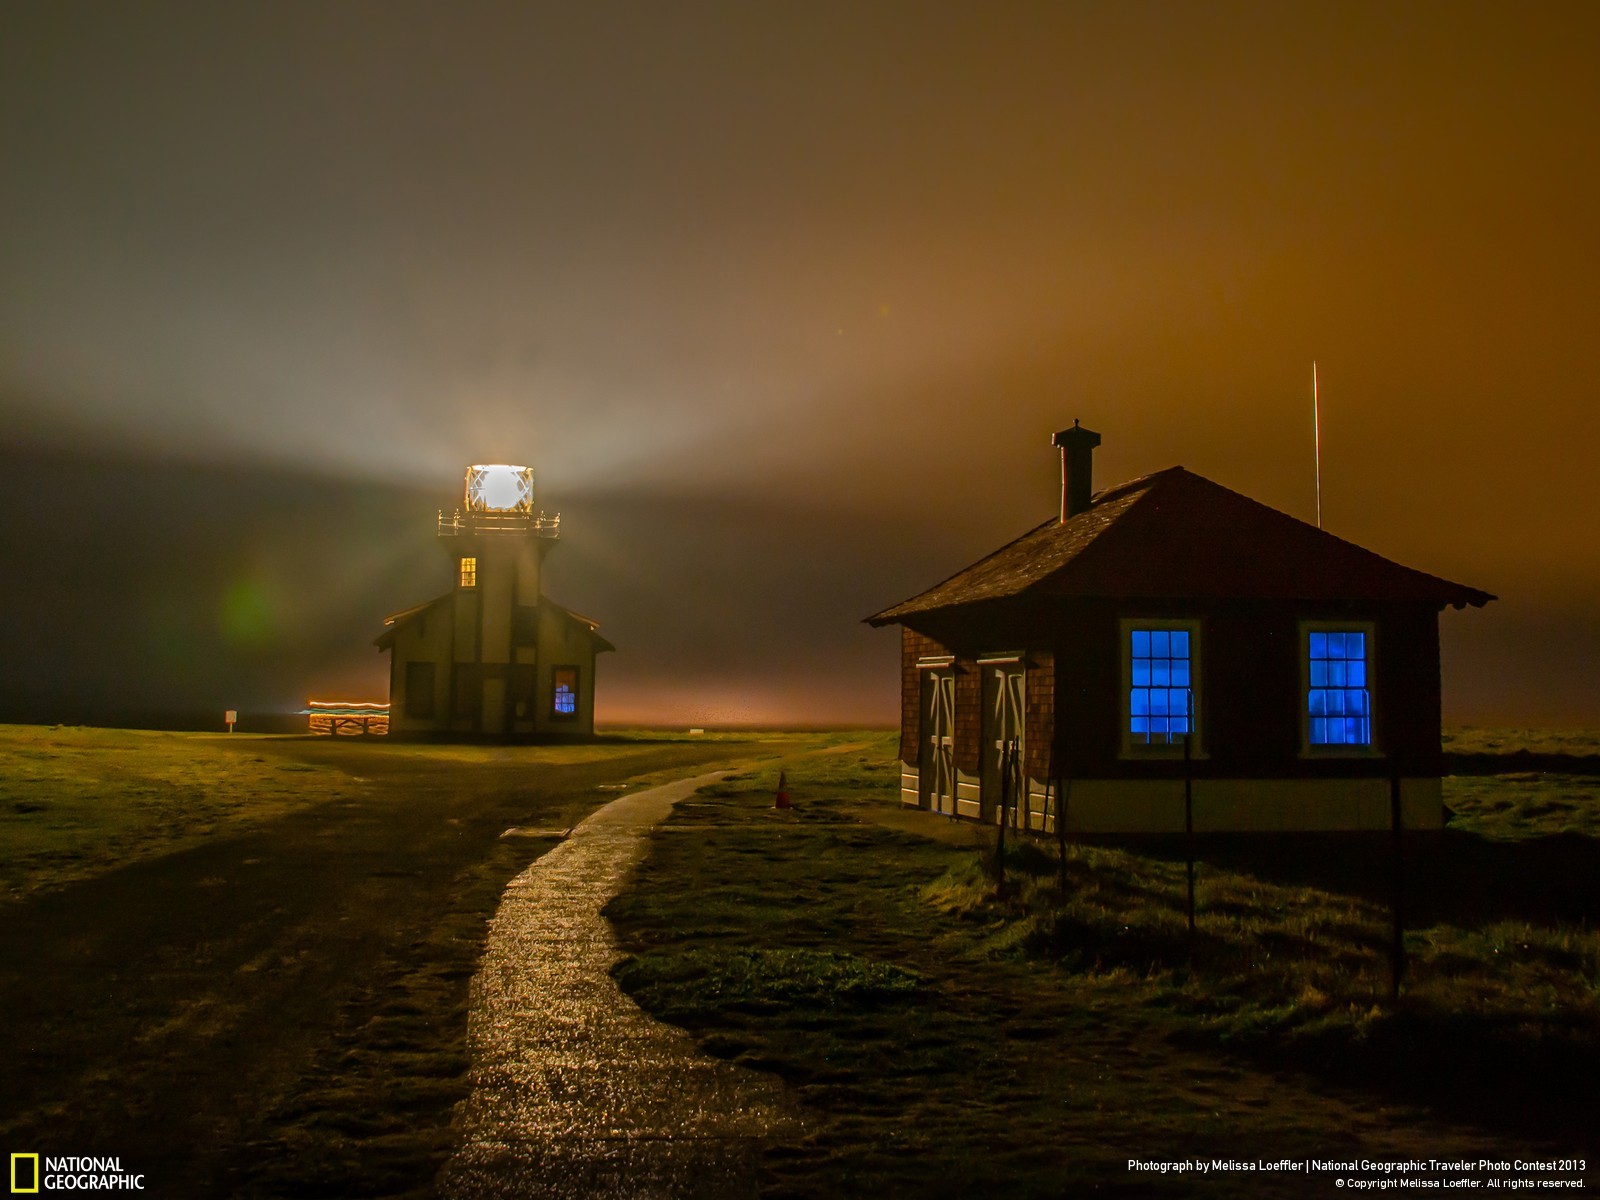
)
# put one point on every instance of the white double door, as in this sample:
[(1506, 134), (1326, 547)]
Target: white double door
[(1001, 773), (937, 765)]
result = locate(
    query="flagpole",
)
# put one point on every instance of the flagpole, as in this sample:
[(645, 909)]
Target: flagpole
[(1316, 425)]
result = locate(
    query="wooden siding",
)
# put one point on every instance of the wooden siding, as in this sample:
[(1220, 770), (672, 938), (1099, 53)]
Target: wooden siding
[(1039, 714), (913, 646), (1250, 678), (969, 719)]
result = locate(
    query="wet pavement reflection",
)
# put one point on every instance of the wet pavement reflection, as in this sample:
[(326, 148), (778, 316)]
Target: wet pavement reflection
[(575, 1092)]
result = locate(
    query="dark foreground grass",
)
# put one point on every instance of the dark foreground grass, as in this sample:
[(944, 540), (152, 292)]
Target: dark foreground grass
[(268, 999), (941, 1041), (78, 801), (371, 1114), (1498, 1024)]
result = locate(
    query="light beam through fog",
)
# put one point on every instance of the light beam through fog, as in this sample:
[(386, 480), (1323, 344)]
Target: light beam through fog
[(727, 277)]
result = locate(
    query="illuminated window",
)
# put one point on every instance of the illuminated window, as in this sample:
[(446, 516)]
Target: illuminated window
[(564, 692), (1338, 705), (1160, 676), (469, 572)]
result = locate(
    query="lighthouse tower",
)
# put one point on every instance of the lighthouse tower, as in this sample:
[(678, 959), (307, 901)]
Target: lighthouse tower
[(493, 657)]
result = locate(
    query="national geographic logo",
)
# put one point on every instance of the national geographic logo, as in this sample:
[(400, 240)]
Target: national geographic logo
[(31, 1173), (24, 1173)]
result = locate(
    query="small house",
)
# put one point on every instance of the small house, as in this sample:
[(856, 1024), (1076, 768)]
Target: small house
[(1170, 633), (493, 656)]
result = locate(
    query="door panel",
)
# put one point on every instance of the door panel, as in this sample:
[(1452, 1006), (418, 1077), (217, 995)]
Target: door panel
[(936, 760), (1004, 689)]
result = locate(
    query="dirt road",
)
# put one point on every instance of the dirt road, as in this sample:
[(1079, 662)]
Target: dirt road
[(216, 1017)]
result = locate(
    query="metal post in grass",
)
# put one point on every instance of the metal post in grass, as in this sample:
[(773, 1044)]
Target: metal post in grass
[(1397, 949), (1188, 821), (1005, 804), (1063, 792)]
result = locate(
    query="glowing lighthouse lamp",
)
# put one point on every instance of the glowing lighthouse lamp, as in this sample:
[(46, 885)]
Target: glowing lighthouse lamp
[(499, 487), (499, 498)]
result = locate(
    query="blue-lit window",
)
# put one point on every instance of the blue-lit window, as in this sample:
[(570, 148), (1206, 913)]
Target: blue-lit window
[(1160, 686), (564, 698), (1338, 705)]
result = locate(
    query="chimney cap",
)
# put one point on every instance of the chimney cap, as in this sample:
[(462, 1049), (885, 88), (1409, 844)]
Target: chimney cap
[(1076, 437)]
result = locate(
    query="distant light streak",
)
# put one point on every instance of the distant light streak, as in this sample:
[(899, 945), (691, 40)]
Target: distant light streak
[(333, 718), (1316, 426)]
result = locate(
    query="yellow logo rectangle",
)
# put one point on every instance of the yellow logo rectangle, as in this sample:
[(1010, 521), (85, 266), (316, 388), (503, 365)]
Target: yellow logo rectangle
[(16, 1188)]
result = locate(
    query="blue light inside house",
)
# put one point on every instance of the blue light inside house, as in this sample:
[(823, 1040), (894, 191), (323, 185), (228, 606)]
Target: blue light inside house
[(1338, 708), (566, 699), (1160, 695)]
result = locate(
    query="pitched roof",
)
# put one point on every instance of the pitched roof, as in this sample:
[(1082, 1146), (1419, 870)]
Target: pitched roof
[(1176, 534), (394, 621)]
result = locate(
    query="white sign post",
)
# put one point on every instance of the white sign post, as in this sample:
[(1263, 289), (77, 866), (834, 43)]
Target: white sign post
[(230, 717)]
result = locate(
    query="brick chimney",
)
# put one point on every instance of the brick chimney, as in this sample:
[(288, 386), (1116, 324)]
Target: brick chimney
[(1077, 468)]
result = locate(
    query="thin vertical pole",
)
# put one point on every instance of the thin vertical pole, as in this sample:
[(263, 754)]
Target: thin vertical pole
[(1397, 949), (1063, 791), (1000, 839), (1188, 816), (1316, 427)]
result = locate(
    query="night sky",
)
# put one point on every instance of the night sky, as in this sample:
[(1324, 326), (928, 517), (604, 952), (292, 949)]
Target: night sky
[(782, 302)]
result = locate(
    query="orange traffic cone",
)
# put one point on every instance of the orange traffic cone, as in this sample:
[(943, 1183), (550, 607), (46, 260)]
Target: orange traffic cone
[(783, 791)]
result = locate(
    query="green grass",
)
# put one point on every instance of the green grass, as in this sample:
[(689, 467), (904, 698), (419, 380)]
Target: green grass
[(1514, 803), (1522, 805), (1019, 1046), (1471, 739), (372, 1114), (272, 1000), (77, 801), (1298, 975)]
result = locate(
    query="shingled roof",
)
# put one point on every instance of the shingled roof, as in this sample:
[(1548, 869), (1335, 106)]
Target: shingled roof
[(1176, 534)]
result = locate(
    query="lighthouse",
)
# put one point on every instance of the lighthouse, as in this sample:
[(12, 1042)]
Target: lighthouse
[(493, 657)]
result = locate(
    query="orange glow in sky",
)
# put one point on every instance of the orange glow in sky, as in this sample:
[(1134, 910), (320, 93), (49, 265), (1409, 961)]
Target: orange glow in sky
[(782, 304)]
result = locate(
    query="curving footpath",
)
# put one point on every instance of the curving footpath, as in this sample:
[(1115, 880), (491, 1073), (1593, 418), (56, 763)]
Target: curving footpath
[(575, 1092)]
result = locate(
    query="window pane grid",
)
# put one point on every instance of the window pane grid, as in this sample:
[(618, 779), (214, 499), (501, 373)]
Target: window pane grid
[(564, 692), (1161, 696), (1338, 707)]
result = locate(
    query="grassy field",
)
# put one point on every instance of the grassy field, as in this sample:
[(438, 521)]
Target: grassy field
[(943, 1041), (76, 801), (242, 963)]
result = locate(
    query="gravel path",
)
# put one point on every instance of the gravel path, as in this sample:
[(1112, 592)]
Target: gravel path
[(575, 1091)]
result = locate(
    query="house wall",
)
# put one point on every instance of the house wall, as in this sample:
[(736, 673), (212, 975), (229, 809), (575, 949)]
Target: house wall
[(1251, 681), (426, 639), (487, 682), (495, 647), (1246, 805), (496, 574), (1039, 715), (1252, 770), (563, 642), (913, 647)]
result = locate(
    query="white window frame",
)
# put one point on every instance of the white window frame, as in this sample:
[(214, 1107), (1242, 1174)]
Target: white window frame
[(1307, 750), (1197, 742)]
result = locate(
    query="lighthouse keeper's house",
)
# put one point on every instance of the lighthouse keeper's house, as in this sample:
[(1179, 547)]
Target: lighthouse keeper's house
[(1164, 628)]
